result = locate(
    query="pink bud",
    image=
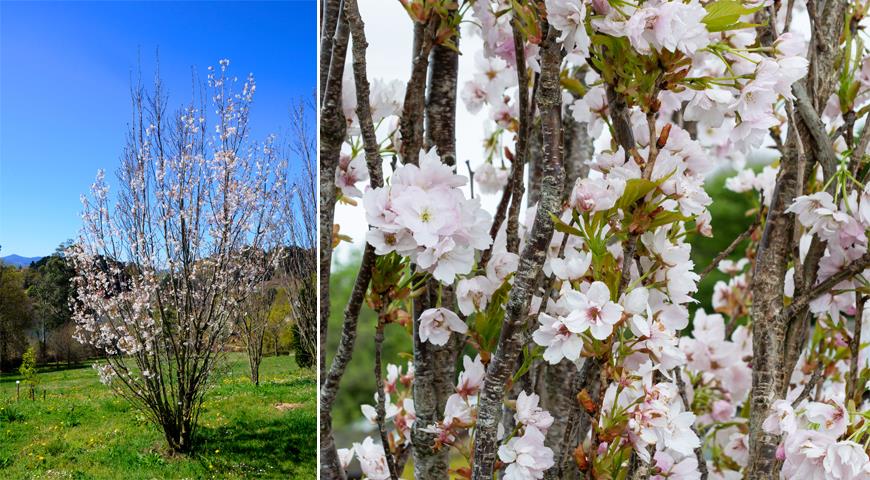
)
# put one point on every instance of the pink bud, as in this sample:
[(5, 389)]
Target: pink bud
[(722, 410), (780, 452), (601, 7)]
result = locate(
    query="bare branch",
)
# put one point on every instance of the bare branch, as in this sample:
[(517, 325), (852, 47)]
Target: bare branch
[(731, 247)]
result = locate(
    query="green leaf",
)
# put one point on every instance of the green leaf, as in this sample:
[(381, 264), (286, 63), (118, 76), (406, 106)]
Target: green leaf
[(742, 25), (528, 357), (725, 15), (573, 85), (666, 218), (635, 189), (563, 227), (488, 324)]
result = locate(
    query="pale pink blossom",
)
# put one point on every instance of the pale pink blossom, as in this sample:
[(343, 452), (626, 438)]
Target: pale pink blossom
[(471, 378), (491, 179), (436, 324), (372, 459), (596, 195), (832, 417), (668, 25), (458, 411), (345, 456), (782, 418), (526, 457), (502, 264), (670, 469), (573, 267), (472, 294), (349, 172), (530, 414), (846, 460), (593, 311), (568, 17), (805, 452), (559, 341)]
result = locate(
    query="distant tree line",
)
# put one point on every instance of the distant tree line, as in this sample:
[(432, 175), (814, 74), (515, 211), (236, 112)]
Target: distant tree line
[(35, 311)]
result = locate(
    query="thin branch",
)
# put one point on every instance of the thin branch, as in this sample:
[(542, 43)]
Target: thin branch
[(821, 144), (852, 390), (699, 452), (730, 249), (363, 101), (579, 382), (810, 385), (518, 163), (411, 120), (381, 409), (857, 266)]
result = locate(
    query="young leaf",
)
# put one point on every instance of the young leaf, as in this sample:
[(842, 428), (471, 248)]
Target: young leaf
[(725, 15), (635, 189)]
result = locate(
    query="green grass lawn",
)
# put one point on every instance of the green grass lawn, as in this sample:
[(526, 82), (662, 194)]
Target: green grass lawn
[(82, 431)]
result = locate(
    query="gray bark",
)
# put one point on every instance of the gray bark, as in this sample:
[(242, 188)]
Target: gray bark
[(531, 261), (778, 338), (434, 364), (332, 132), (411, 121)]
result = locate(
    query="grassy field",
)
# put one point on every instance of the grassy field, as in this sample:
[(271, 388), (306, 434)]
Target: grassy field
[(82, 431)]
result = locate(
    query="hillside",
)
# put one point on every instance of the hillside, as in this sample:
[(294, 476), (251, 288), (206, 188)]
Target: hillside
[(18, 260)]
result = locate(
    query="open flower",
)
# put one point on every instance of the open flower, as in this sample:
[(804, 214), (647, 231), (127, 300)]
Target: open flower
[(574, 266), (437, 323), (472, 294), (559, 340), (568, 17), (372, 459), (530, 414), (593, 311), (781, 419), (846, 461), (471, 377), (526, 457)]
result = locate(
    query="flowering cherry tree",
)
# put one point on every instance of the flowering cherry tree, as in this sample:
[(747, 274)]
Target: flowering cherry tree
[(163, 270), (556, 336)]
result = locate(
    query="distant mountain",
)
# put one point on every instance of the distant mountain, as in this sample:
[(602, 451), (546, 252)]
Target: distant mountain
[(18, 260)]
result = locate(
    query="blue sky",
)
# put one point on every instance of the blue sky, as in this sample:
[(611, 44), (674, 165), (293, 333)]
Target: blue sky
[(65, 72)]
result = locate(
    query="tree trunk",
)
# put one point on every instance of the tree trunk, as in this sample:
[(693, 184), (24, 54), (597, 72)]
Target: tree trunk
[(531, 261), (178, 437), (436, 364), (255, 369), (774, 353)]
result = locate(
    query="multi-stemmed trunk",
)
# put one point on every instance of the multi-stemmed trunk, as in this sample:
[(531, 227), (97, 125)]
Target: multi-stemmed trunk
[(179, 437), (178, 427)]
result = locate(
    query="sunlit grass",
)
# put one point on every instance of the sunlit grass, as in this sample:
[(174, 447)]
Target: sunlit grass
[(82, 431)]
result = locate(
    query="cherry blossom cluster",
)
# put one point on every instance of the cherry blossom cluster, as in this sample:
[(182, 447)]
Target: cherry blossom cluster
[(523, 452), (423, 215), (400, 413), (822, 434), (811, 448), (494, 85), (386, 104)]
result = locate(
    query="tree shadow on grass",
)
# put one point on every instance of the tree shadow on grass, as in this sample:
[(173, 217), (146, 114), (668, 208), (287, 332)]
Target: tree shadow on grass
[(267, 448)]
